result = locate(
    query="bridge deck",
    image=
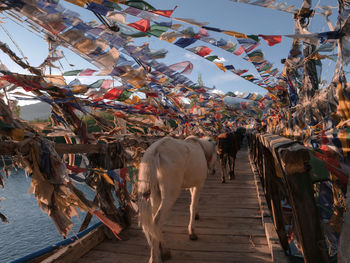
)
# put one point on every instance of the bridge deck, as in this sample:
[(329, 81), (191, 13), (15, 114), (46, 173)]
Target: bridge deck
[(229, 228)]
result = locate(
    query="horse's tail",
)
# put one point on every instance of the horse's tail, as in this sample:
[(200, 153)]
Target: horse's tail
[(147, 187)]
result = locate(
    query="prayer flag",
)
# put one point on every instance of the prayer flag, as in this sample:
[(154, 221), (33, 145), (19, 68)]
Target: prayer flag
[(96, 84), (78, 2), (272, 40), (185, 42), (142, 25), (235, 34), (204, 51), (102, 10), (72, 72), (87, 72), (113, 94), (166, 13), (107, 84), (239, 51)]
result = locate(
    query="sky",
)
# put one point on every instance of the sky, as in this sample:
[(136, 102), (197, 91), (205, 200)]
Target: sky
[(223, 14)]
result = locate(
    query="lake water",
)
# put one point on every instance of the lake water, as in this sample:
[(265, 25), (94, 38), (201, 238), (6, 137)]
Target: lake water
[(29, 229)]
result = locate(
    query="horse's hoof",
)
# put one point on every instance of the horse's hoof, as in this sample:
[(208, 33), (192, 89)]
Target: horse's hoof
[(223, 181), (193, 237), (166, 255), (196, 217)]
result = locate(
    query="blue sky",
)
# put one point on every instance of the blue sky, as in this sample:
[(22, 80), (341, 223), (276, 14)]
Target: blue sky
[(219, 13)]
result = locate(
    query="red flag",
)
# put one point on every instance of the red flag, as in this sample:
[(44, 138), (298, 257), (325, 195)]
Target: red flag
[(76, 169), (202, 33), (204, 51), (152, 94), (113, 226), (113, 94), (239, 51), (87, 72), (106, 84), (120, 115), (185, 66), (26, 84), (166, 13), (142, 25), (272, 40)]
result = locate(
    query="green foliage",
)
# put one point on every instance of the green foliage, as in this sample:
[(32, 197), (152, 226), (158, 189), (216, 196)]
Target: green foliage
[(38, 120), (17, 110), (91, 124)]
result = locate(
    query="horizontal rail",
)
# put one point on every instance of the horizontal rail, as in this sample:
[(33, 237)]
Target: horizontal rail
[(9, 148)]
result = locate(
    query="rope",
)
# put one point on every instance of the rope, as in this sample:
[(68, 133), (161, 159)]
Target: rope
[(114, 28), (36, 32), (14, 42)]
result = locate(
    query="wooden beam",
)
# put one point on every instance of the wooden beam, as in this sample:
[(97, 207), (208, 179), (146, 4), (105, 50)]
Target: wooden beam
[(80, 148), (9, 148), (74, 251)]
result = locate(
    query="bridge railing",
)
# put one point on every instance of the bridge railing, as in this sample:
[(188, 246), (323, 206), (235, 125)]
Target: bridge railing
[(292, 195)]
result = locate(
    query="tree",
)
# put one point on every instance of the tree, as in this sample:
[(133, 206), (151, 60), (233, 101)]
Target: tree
[(200, 80)]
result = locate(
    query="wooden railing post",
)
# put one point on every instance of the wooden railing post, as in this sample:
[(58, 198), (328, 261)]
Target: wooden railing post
[(295, 161), (286, 176)]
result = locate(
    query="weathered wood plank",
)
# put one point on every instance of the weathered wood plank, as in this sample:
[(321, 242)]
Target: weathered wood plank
[(77, 249), (138, 238), (184, 244), (140, 253), (177, 257), (217, 223), (234, 212)]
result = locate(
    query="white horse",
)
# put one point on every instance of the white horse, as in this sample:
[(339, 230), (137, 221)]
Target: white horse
[(168, 166)]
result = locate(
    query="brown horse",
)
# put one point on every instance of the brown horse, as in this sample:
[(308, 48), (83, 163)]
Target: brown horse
[(228, 146)]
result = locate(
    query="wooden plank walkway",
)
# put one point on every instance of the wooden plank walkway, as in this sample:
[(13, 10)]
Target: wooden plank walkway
[(229, 228)]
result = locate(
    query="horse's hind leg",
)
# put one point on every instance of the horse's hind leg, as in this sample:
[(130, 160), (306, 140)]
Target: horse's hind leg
[(232, 166), (162, 214), (196, 215), (223, 163), (231, 161), (195, 193)]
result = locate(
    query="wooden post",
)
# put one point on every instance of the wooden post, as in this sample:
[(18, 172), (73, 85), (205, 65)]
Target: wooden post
[(294, 161)]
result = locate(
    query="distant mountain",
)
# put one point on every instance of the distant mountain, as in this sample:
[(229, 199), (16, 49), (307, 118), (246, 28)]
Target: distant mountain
[(35, 111)]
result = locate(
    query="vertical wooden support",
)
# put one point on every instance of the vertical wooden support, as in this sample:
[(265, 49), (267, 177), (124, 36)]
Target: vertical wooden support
[(294, 161)]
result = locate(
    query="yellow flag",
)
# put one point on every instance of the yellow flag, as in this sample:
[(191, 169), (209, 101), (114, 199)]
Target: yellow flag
[(134, 100), (317, 56), (79, 89), (78, 2), (56, 80), (235, 34), (107, 178), (152, 118), (220, 66)]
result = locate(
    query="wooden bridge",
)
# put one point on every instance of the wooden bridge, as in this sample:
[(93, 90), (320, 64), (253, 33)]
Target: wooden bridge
[(230, 227)]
